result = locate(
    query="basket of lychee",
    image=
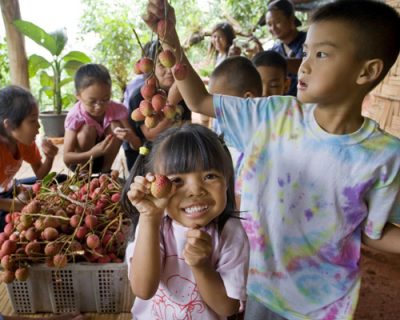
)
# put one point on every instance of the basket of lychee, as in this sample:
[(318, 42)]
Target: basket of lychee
[(80, 220), (155, 105)]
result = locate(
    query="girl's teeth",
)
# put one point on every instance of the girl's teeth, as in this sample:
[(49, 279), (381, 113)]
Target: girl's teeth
[(195, 209)]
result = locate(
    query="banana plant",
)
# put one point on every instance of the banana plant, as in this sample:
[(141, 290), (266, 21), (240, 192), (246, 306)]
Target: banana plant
[(53, 74)]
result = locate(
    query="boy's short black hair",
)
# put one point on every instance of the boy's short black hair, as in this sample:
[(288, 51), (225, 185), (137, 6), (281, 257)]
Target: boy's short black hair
[(375, 25), (270, 58), (241, 73)]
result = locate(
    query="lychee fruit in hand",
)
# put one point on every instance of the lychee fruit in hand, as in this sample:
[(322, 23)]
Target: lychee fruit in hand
[(161, 186)]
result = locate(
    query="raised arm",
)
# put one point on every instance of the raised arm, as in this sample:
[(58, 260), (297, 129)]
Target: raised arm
[(191, 87)]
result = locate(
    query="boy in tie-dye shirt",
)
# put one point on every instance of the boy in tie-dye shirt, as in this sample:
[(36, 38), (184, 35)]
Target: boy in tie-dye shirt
[(318, 178)]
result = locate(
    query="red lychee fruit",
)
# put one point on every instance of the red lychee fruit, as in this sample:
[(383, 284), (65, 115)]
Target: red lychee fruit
[(36, 187), (137, 115), (136, 68), (52, 248), (169, 111), (151, 80), (148, 91), (180, 71), (146, 108), (92, 241), (116, 197), (91, 221), (161, 186), (151, 122), (60, 260), (21, 274), (158, 102), (50, 233), (167, 58), (146, 65)]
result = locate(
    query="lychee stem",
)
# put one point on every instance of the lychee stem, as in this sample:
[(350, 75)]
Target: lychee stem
[(138, 40)]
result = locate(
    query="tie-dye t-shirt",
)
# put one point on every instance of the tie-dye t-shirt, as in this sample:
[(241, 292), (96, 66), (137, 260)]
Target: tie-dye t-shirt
[(307, 196)]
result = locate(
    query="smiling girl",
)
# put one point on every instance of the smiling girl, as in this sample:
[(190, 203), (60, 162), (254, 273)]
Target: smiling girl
[(189, 259)]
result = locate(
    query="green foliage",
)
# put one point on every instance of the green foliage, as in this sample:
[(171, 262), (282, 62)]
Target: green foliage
[(111, 23), (4, 65), (54, 73)]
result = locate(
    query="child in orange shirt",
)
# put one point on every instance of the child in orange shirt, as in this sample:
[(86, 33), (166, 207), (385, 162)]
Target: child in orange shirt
[(19, 125)]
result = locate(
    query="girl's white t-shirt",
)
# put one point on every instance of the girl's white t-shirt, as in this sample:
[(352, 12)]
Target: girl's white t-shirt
[(178, 296)]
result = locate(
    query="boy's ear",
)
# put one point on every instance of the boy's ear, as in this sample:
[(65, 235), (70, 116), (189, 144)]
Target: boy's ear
[(371, 70), (7, 124), (249, 94)]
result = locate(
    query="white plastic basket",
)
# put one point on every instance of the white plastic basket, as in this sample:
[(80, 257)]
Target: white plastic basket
[(85, 287)]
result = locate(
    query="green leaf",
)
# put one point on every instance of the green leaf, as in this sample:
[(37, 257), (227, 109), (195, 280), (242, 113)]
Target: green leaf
[(37, 63), (71, 66), (66, 80), (37, 34), (78, 56), (61, 39), (47, 180)]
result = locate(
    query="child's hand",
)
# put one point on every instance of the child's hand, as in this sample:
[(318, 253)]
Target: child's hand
[(122, 133), (49, 149), (103, 146), (140, 197), (156, 11), (198, 248)]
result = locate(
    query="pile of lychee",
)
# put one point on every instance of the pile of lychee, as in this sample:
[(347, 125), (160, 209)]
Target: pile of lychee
[(79, 220)]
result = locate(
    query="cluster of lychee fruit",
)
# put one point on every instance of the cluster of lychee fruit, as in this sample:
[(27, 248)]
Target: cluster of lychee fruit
[(155, 105)]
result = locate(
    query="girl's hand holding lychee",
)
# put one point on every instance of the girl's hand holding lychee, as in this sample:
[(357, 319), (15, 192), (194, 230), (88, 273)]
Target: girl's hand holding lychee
[(150, 194)]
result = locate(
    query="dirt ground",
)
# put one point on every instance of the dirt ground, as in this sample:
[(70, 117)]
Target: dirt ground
[(380, 286)]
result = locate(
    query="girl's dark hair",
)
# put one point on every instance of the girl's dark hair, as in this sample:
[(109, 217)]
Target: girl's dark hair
[(89, 74), (191, 147), (16, 103)]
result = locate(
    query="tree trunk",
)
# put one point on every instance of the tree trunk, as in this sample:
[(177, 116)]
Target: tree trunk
[(15, 43)]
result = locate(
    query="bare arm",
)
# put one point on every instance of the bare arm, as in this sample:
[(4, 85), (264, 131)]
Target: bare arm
[(197, 254), (192, 87), (145, 272), (389, 242)]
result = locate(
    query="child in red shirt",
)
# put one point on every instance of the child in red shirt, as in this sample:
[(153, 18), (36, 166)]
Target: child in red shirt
[(19, 125)]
